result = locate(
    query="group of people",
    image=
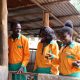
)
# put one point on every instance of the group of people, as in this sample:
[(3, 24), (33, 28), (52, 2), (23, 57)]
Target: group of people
[(49, 58)]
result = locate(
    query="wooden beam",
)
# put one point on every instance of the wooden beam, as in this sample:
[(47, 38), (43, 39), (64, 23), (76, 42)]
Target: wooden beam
[(34, 20), (51, 18), (31, 21), (65, 16), (62, 26), (35, 2), (57, 19), (26, 26), (45, 19), (54, 27), (39, 13), (25, 14), (32, 29), (22, 7)]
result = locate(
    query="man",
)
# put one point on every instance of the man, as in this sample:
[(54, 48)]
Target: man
[(18, 52)]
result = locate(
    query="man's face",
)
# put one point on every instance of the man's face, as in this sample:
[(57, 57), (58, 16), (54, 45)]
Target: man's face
[(65, 38), (16, 29)]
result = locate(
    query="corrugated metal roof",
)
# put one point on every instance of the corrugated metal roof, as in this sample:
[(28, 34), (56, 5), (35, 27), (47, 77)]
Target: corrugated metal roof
[(46, 1), (61, 9)]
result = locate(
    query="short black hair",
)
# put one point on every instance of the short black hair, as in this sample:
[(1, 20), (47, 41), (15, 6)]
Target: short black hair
[(12, 23)]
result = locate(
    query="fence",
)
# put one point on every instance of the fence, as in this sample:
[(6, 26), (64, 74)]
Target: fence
[(55, 77), (30, 66), (30, 76)]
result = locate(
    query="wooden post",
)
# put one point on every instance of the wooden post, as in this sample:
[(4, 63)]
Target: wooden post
[(45, 19), (3, 33), (3, 41)]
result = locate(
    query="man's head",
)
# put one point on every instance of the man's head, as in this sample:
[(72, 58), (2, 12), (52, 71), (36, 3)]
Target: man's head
[(15, 28)]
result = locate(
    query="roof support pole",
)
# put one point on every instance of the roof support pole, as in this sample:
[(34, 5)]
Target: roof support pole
[(45, 19), (3, 41)]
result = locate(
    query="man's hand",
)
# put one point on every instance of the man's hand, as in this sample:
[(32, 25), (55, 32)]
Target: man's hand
[(20, 70)]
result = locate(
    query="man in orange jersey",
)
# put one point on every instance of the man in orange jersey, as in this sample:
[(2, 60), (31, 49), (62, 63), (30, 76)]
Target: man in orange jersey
[(69, 56), (47, 49), (18, 52)]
